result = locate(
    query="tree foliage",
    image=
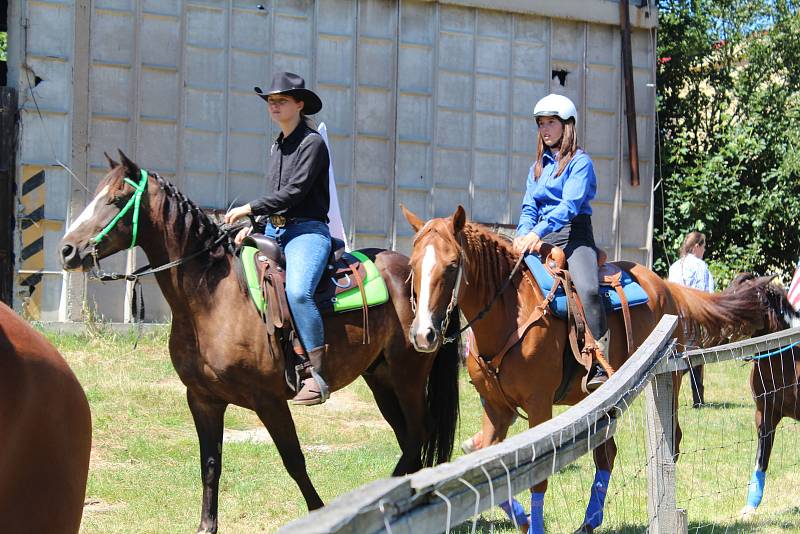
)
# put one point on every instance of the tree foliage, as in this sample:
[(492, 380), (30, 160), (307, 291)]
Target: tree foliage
[(729, 133)]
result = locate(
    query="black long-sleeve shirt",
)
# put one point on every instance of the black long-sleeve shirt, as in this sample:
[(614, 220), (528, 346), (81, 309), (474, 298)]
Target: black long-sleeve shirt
[(297, 177)]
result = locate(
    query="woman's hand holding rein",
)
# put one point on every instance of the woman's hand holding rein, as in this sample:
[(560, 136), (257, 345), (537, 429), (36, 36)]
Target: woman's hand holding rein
[(234, 215), (237, 213), (526, 243)]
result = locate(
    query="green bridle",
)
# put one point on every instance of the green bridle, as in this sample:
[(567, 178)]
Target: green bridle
[(135, 201)]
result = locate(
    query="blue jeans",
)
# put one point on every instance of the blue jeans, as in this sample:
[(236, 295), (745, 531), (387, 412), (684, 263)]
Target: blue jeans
[(307, 246)]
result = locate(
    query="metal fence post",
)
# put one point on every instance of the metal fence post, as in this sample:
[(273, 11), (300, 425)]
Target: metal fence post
[(661, 505)]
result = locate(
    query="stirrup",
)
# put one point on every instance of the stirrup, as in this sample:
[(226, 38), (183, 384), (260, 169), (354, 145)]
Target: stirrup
[(321, 397), (599, 377)]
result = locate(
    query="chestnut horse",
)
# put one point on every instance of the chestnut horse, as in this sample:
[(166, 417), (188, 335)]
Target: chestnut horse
[(219, 345), (774, 381), (457, 261), (45, 433)]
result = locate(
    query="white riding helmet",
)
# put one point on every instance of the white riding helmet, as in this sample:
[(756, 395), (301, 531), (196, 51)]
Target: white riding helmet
[(556, 105)]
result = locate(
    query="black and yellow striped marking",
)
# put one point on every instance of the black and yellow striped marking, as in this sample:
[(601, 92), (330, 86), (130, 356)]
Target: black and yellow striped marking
[(33, 226)]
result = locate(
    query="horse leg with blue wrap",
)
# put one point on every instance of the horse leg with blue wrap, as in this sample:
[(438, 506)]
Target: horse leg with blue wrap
[(768, 415)]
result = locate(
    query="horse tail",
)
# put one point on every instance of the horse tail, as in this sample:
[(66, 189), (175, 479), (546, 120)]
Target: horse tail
[(442, 397), (711, 318)]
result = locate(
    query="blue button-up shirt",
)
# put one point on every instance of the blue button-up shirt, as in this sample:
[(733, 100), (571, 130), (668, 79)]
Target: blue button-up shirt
[(552, 201)]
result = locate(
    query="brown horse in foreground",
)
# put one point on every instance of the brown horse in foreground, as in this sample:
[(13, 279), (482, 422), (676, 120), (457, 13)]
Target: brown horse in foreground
[(45, 433), (774, 381), (449, 249), (219, 346)]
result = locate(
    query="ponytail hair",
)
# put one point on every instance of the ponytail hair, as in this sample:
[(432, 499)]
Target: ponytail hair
[(308, 121), (692, 240), (568, 148)]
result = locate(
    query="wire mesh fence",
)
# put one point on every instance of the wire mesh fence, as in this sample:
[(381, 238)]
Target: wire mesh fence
[(711, 482)]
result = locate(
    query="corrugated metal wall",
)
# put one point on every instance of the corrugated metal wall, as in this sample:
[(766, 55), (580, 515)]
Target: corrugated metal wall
[(427, 104)]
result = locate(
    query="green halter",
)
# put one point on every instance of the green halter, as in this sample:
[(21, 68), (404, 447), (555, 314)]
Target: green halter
[(134, 201)]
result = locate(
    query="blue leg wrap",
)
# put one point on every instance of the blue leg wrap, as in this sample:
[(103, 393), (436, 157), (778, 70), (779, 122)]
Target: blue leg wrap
[(755, 489), (537, 513), (597, 499), (515, 512)]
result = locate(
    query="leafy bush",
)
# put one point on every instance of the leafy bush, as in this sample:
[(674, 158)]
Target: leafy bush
[(729, 126)]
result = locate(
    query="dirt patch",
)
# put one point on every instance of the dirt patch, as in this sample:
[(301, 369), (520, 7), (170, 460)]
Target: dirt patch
[(252, 435), (367, 423), (93, 505), (346, 401), (98, 462), (171, 383)]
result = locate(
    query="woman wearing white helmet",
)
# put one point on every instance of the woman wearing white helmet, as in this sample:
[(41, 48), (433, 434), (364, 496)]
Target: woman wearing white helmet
[(556, 209)]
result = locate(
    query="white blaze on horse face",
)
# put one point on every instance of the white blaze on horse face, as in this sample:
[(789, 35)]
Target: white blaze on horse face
[(88, 212), (424, 321)]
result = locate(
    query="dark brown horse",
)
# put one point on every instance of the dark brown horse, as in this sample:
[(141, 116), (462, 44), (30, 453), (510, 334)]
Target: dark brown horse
[(774, 381), (45, 433), (219, 347), (449, 250)]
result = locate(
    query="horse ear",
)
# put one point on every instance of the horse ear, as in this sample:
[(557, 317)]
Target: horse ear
[(111, 163), (459, 219), (131, 169), (415, 222)]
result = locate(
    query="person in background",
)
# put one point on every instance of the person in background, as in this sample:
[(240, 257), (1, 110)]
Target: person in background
[(691, 271)]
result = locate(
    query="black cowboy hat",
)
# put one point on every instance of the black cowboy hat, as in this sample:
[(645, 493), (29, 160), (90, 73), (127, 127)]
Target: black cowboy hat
[(288, 83)]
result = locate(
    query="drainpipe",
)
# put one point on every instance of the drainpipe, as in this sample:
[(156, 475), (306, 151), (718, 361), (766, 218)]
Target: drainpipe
[(630, 100)]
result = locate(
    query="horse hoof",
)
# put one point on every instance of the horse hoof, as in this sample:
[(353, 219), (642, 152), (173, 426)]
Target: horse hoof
[(747, 512), (586, 528)]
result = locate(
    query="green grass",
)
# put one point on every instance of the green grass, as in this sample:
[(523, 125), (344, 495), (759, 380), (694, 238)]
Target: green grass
[(144, 473)]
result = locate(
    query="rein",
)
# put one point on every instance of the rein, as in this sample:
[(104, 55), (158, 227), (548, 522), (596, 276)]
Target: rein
[(103, 276)]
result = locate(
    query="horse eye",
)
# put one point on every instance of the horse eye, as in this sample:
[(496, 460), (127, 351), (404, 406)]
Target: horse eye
[(118, 200)]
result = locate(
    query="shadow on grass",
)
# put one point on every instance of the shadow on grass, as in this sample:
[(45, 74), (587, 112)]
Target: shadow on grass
[(788, 521), (486, 525), (718, 406)]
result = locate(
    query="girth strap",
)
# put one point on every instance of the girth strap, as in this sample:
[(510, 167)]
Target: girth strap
[(626, 312)]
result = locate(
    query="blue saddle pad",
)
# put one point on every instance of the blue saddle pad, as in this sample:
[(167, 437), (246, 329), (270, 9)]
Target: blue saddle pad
[(633, 291)]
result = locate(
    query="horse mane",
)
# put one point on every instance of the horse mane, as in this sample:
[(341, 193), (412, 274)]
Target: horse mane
[(489, 254), (189, 222)]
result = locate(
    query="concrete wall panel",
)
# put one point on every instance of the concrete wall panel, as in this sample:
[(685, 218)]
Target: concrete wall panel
[(426, 103)]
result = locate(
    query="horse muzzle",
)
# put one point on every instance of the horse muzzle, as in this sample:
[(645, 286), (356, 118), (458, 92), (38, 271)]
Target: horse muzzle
[(73, 257), (424, 339)]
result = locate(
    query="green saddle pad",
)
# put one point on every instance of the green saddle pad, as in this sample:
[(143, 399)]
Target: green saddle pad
[(374, 285)]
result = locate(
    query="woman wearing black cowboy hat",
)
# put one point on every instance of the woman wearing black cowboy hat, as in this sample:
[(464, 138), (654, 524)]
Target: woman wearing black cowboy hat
[(297, 202)]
